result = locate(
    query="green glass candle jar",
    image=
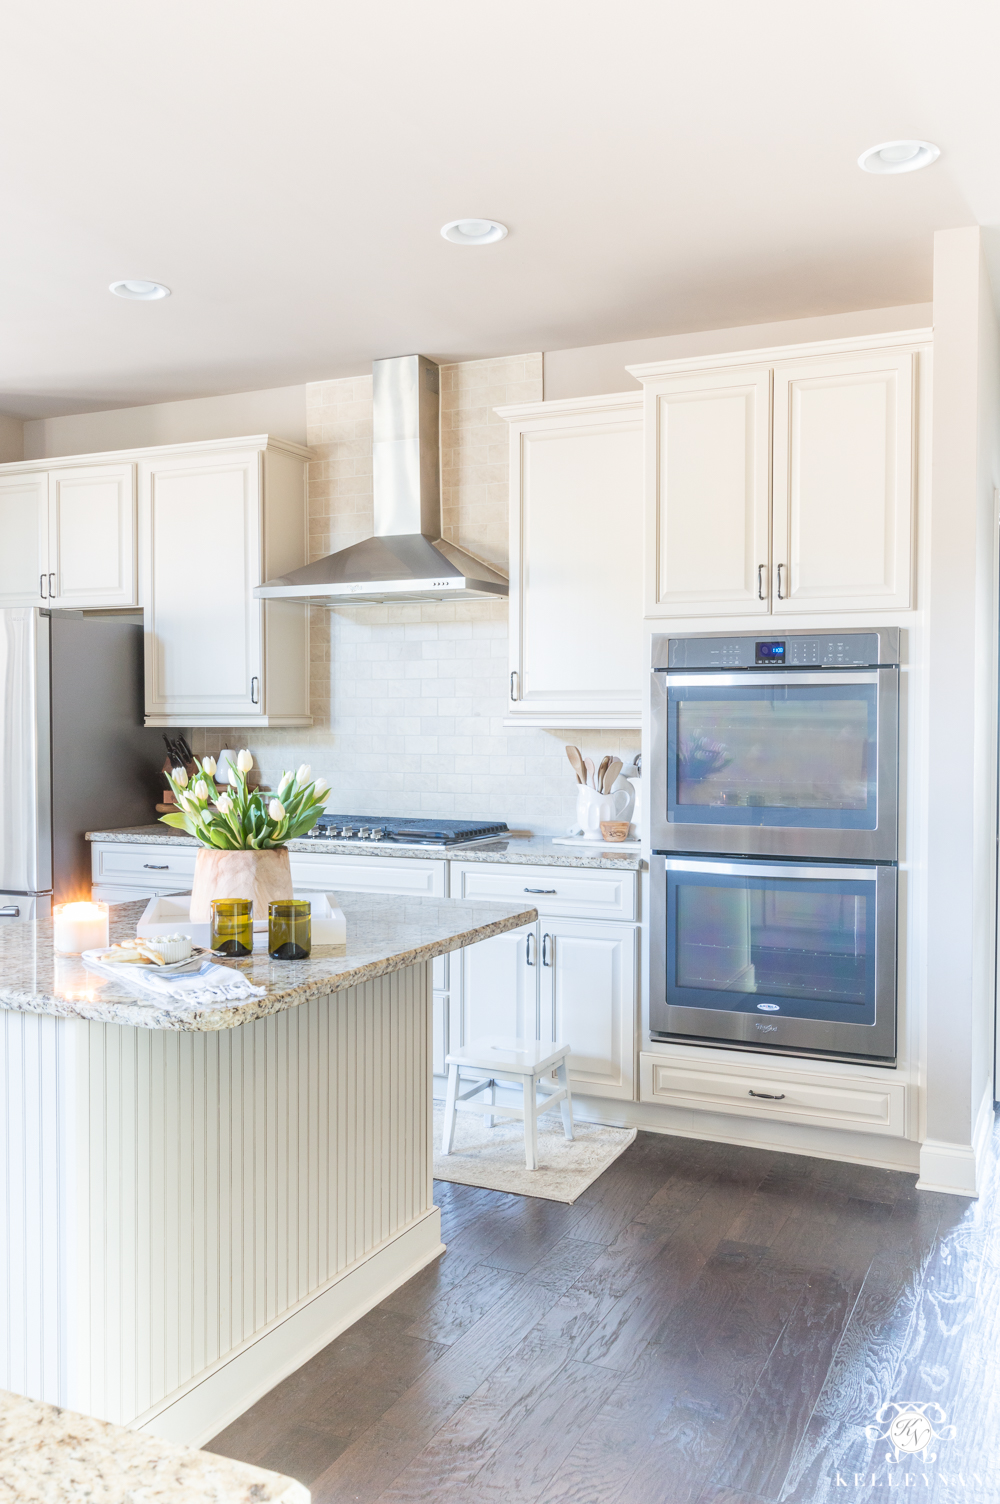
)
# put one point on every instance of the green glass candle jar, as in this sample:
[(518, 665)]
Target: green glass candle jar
[(289, 929), (232, 926)]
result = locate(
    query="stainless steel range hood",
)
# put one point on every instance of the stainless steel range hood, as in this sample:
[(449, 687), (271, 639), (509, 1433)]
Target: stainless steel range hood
[(407, 559)]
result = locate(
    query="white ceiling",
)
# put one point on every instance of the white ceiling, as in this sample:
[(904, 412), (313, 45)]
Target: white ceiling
[(285, 168)]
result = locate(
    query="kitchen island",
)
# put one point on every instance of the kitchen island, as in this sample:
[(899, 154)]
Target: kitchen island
[(198, 1202)]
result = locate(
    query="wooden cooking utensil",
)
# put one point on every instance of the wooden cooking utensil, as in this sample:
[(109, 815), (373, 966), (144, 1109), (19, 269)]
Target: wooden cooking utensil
[(614, 767), (588, 763), (576, 763), (605, 763)]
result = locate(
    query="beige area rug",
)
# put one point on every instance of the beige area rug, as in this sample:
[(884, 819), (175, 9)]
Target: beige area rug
[(494, 1157)]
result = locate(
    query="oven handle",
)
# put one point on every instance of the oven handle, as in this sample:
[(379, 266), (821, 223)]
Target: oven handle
[(750, 676), (793, 869)]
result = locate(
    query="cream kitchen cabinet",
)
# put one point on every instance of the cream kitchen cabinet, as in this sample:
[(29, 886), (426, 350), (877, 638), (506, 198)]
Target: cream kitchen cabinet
[(69, 535), (215, 520), (571, 976), (782, 481), (575, 630)]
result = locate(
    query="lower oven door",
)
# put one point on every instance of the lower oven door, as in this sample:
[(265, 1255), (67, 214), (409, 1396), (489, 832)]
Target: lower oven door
[(793, 956)]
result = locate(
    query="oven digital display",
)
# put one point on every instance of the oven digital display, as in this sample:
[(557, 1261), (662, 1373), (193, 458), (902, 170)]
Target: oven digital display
[(770, 652)]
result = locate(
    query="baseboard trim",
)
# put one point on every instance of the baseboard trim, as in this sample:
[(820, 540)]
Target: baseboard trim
[(958, 1169), (214, 1400)]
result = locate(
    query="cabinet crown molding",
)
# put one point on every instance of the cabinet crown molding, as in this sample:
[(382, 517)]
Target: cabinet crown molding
[(774, 353), (156, 451), (610, 402)]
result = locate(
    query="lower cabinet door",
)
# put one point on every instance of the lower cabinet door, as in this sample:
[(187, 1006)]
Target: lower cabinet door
[(499, 987), (439, 1032), (587, 973)]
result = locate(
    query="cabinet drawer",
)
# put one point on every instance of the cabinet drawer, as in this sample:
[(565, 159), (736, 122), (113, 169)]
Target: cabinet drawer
[(167, 867), (374, 874), (830, 1101), (571, 893)]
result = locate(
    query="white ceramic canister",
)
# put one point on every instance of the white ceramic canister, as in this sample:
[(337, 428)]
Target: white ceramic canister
[(592, 808)]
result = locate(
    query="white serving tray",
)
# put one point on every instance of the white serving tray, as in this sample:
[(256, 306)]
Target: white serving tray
[(171, 916)]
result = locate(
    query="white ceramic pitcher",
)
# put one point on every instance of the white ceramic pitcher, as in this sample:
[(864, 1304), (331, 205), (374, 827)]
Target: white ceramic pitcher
[(592, 808)]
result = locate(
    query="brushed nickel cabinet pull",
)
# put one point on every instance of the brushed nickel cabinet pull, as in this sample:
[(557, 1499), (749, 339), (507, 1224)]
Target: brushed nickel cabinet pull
[(528, 949), (41, 586), (540, 890), (52, 585), (255, 690), (770, 1096), (514, 685)]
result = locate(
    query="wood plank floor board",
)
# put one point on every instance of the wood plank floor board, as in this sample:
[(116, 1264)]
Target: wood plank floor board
[(765, 1438), (865, 1371), (367, 1467), (706, 1325)]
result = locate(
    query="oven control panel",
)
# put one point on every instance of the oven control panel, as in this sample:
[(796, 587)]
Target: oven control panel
[(793, 650)]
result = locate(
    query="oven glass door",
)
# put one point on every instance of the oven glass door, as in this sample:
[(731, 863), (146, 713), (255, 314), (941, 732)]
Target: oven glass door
[(773, 750), (778, 942)]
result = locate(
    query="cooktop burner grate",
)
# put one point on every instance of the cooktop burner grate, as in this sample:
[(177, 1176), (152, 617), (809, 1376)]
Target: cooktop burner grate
[(407, 831)]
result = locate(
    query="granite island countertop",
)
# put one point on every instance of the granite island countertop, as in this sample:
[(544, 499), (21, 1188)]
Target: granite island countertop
[(517, 850), (385, 933), (54, 1456)]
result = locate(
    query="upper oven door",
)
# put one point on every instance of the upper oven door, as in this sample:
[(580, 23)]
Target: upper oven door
[(776, 763)]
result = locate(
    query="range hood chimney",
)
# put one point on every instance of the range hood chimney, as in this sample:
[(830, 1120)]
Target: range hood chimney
[(407, 559)]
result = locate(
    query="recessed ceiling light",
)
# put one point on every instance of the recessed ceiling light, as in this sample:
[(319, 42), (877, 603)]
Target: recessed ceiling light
[(144, 292), (473, 231), (899, 156)]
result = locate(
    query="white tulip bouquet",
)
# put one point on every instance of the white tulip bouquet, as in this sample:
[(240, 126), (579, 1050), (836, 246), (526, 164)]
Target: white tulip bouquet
[(235, 818)]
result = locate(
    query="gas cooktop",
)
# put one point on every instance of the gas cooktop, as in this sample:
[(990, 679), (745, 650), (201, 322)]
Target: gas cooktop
[(406, 832)]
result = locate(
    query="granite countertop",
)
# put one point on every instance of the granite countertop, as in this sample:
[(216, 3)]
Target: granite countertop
[(53, 1456), (534, 851), (384, 934)]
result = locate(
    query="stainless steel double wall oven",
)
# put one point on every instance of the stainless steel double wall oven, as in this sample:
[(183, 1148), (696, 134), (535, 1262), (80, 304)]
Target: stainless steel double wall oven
[(774, 796)]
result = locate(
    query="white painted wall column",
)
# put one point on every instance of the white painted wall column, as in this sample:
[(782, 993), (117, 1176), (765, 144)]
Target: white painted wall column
[(961, 736)]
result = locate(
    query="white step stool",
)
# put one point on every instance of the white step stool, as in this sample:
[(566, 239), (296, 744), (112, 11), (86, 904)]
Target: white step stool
[(523, 1061)]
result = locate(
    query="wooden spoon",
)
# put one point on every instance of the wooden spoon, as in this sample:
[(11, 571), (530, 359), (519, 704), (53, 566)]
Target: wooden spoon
[(588, 763), (605, 762), (576, 763), (614, 767)]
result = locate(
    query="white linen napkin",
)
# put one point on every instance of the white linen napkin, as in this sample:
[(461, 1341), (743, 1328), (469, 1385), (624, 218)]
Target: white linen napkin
[(209, 984)]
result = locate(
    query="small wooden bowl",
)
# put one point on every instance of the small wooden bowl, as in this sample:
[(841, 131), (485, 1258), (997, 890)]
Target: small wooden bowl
[(614, 830)]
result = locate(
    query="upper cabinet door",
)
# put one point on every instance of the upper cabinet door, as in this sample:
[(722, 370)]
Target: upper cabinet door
[(24, 554), (843, 483), (92, 536), (576, 563), (707, 479), (199, 543)]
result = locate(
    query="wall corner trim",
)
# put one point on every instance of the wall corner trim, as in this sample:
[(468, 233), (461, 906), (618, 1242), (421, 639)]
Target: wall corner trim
[(957, 1169)]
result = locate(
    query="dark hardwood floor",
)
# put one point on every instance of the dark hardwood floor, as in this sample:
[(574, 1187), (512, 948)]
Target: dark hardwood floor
[(706, 1325)]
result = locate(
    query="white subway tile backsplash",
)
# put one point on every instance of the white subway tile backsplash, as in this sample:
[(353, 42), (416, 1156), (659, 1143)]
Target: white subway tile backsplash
[(409, 700)]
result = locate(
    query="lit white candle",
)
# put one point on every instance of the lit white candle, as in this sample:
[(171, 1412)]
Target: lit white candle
[(79, 927)]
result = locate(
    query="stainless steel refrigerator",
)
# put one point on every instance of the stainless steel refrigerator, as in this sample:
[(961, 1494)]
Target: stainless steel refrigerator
[(74, 754)]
